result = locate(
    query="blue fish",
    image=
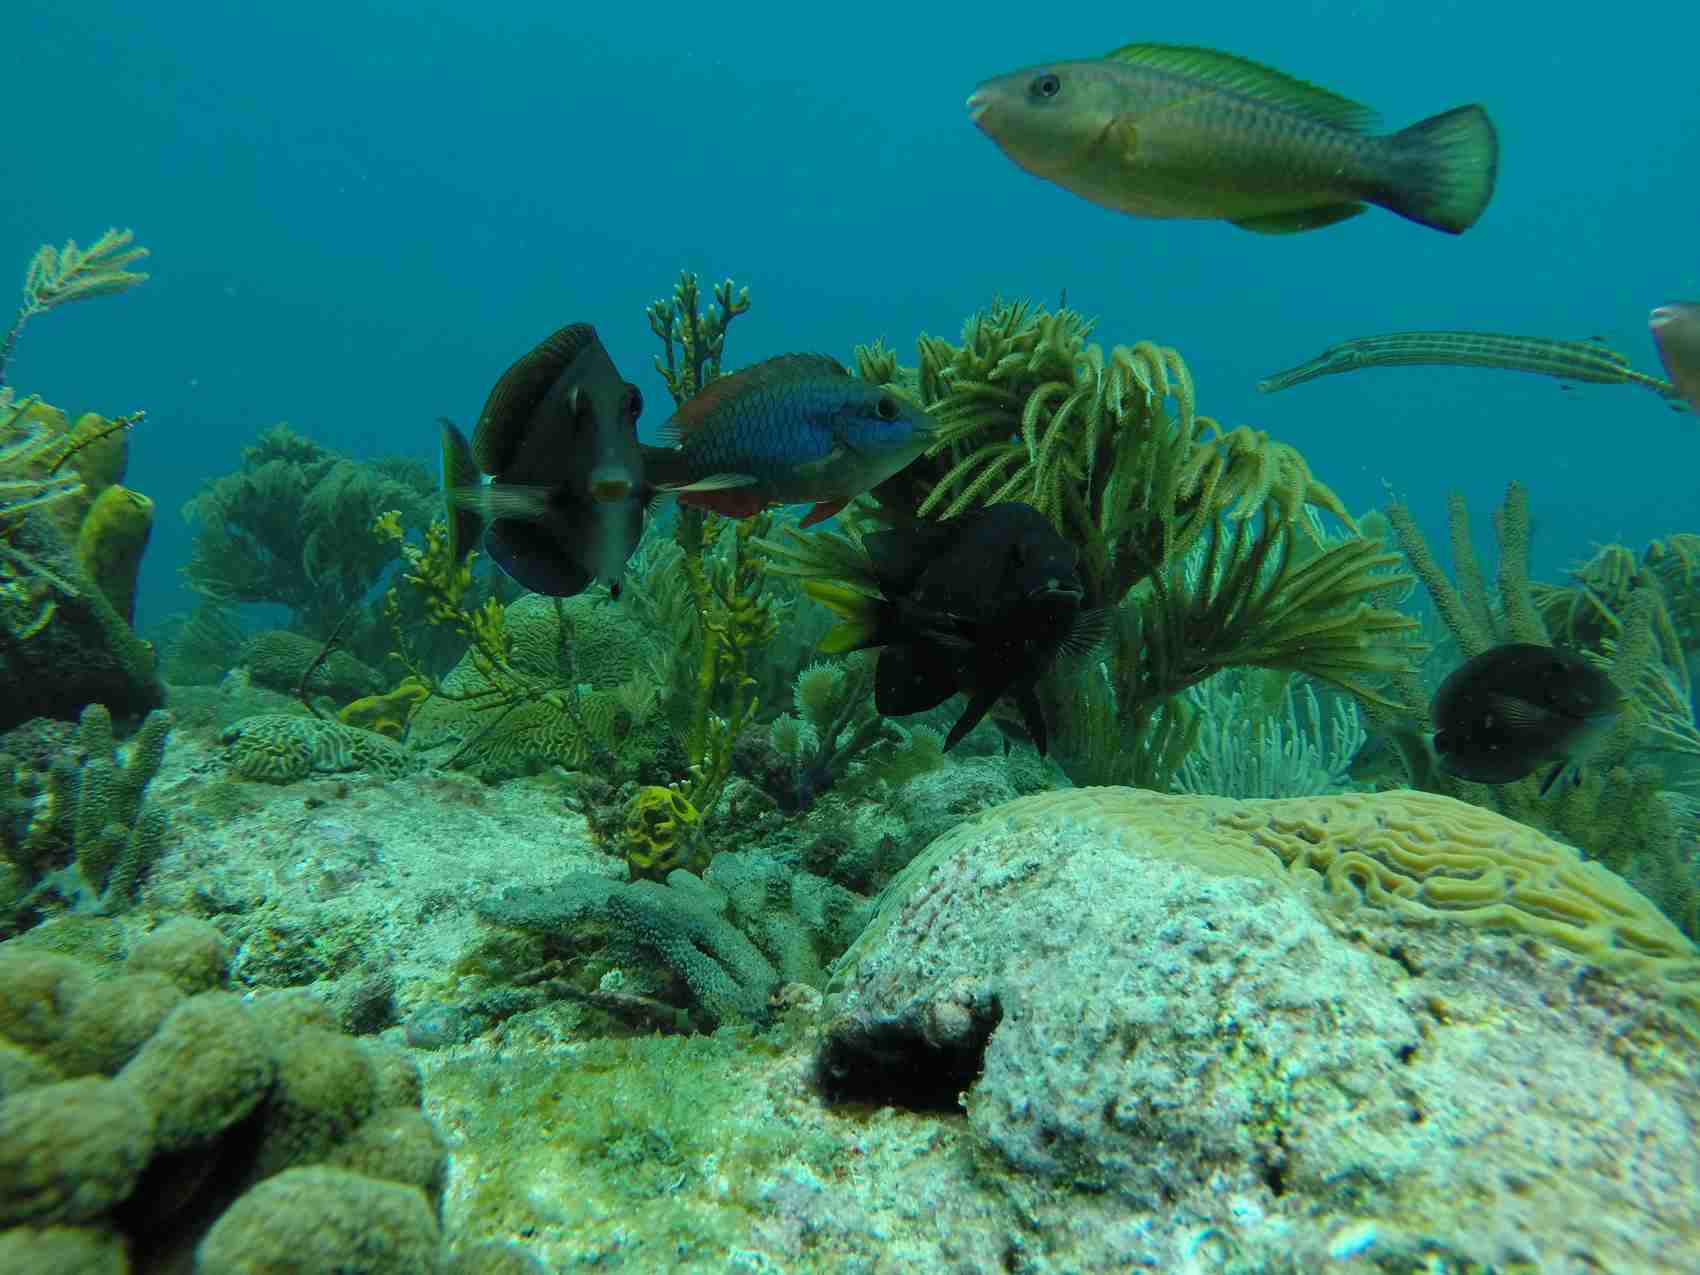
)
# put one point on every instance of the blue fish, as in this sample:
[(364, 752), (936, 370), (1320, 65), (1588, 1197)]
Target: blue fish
[(795, 429)]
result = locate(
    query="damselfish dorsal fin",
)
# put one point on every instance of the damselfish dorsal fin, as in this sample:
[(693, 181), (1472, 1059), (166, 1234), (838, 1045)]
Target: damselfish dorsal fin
[(508, 410), (1234, 74), (702, 406)]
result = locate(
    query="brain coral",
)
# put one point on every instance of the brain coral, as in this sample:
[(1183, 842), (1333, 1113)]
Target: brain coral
[(1418, 854), (1199, 1034), (562, 643), (280, 748)]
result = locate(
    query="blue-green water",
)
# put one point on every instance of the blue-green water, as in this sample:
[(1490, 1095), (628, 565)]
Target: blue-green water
[(360, 213)]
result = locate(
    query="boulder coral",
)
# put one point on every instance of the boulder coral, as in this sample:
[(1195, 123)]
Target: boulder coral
[(1289, 1031)]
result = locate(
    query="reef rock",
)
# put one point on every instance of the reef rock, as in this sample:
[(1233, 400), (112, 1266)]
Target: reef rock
[(1191, 1033)]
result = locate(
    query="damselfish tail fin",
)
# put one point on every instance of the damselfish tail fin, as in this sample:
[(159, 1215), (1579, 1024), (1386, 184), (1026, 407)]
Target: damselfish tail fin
[(1444, 170), (860, 613)]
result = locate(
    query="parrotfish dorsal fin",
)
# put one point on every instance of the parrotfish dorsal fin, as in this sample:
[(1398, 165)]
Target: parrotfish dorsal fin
[(1235, 74), (701, 406), (508, 410)]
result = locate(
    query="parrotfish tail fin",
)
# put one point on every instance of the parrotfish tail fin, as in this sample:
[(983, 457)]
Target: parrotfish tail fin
[(821, 512), (459, 475), (860, 613), (1444, 170)]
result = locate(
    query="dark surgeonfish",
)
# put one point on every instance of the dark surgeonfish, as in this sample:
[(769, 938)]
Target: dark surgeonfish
[(983, 604), (558, 440), (791, 430), (1161, 130), (1676, 331), (1503, 714)]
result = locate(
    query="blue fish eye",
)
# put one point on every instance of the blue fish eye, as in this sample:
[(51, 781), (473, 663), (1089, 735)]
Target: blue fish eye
[(886, 408), (1047, 85)]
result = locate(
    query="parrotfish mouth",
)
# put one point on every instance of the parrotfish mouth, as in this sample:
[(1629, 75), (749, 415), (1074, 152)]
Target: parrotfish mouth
[(1659, 317), (977, 104)]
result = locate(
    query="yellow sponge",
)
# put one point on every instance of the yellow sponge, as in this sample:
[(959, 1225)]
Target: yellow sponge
[(110, 541), (386, 714), (661, 834)]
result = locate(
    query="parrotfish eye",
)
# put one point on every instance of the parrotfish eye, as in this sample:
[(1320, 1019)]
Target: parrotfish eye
[(886, 408), (1047, 85)]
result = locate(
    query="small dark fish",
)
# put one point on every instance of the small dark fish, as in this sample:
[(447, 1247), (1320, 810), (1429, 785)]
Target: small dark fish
[(1161, 130), (1676, 331), (558, 438), (983, 604), (796, 429), (1501, 715)]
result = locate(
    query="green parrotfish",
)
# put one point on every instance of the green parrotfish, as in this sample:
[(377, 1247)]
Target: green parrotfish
[(1676, 331), (1159, 130), (795, 429)]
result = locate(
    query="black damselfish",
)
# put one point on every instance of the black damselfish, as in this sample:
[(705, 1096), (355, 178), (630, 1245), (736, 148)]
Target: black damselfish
[(982, 604), (1502, 714)]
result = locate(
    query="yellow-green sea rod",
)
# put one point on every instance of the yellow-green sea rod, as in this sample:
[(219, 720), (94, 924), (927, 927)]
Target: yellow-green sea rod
[(1566, 360)]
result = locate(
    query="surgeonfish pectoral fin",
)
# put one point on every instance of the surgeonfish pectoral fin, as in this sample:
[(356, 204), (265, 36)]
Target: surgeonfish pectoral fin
[(510, 500), (821, 512)]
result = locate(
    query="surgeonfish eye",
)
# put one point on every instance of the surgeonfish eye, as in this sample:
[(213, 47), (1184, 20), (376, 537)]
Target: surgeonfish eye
[(886, 408), (1046, 86), (634, 400)]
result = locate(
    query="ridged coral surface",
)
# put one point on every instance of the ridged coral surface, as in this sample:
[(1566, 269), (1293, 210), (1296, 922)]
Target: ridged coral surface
[(1166, 1034), (1414, 853)]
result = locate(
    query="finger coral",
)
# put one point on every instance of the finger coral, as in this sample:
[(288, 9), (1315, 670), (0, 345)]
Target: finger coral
[(251, 1129)]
